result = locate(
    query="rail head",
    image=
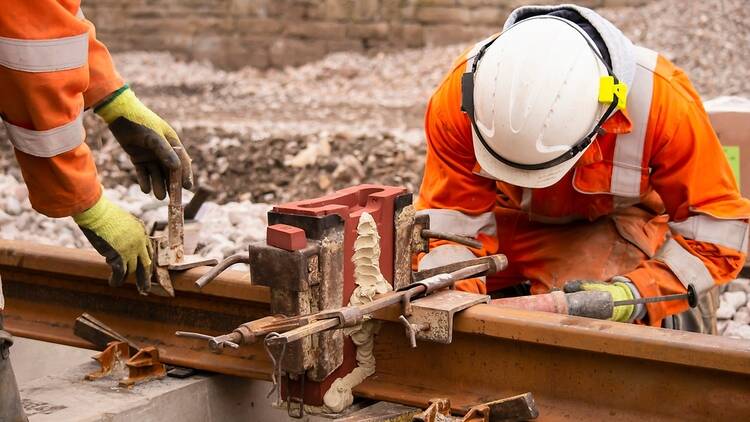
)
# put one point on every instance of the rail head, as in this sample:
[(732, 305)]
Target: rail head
[(87, 264), (600, 336)]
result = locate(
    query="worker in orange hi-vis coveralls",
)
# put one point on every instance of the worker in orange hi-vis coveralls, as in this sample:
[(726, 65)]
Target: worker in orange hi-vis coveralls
[(589, 162), (52, 68)]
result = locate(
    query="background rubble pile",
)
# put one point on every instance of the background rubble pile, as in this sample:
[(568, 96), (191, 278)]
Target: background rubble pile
[(225, 229), (261, 137), (734, 310)]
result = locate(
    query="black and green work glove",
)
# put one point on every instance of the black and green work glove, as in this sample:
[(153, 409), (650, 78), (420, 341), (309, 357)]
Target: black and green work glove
[(120, 238), (153, 146), (620, 289)]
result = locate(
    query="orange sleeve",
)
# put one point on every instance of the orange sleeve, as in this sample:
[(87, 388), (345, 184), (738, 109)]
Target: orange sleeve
[(692, 176), (66, 183), (103, 76), (449, 182)]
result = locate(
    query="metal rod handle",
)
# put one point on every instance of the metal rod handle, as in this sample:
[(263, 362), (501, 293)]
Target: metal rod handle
[(463, 240), (690, 296), (380, 303), (240, 258)]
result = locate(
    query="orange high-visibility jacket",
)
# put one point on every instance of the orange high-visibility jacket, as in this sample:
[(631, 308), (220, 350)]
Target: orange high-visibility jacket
[(51, 68), (661, 152)]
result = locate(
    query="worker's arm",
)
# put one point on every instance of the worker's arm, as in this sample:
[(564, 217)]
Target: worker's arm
[(103, 77), (457, 200), (708, 217), (147, 138), (43, 74)]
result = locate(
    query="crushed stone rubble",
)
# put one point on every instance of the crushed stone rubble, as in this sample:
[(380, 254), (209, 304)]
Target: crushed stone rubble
[(261, 137), (224, 229), (709, 39), (734, 309)]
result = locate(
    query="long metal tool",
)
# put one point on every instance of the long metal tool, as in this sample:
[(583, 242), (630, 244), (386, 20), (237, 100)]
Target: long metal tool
[(690, 296), (169, 245), (353, 315)]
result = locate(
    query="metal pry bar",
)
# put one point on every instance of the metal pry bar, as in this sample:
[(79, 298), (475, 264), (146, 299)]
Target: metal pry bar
[(463, 240), (169, 248), (334, 319)]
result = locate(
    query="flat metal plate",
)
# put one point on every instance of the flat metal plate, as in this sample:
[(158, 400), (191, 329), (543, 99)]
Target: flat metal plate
[(192, 261), (438, 309)]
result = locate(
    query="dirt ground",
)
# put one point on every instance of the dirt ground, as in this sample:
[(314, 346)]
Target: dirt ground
[(295, 133)]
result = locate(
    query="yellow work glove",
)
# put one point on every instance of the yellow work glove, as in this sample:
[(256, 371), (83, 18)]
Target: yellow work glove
[(152, 144), (120, 238), (619, 291)]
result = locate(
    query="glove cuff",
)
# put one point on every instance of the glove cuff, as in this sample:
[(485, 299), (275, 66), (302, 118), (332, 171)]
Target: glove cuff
[(103, 109), (94, 214), (639, 312)]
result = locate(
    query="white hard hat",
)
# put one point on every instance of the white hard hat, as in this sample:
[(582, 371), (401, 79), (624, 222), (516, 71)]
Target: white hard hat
[(533, 97)]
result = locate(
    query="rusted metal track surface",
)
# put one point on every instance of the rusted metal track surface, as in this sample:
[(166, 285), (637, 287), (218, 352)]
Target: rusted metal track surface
[(577, 368), (47, 288)]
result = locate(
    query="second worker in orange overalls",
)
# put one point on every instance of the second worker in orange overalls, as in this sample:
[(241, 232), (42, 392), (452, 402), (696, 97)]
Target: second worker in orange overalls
[(583, 158)]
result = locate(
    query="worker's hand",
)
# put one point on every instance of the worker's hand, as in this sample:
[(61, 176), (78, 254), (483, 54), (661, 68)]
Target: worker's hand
[(152, 144), (120, 238), (618, 289)]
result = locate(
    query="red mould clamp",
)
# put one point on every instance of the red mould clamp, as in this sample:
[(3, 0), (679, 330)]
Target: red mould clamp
[(333, 219)]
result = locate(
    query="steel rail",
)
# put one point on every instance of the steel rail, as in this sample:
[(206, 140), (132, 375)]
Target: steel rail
[(577, 368)]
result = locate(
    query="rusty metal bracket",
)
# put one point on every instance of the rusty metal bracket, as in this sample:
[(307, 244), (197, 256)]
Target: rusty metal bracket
[(144, 366), (115, 354), (517, 408), (96, 332), (438, 410), (436, 311)]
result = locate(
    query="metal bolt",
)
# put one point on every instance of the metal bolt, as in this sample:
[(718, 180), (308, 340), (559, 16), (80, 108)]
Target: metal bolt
[(412, 330)]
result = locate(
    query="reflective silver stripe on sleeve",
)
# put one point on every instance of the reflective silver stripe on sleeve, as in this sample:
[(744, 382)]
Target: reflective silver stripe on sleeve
[(47, 143), (628, 156), (456, 222), (732, 234), (79, 14), (688, 268), (44, 55)]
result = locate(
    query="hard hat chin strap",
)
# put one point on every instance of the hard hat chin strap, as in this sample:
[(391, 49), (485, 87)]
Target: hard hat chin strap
[(467, 106)]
